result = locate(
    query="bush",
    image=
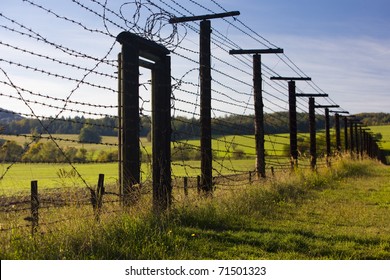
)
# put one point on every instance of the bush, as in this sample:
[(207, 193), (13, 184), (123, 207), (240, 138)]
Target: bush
[(10, 151), (105, 156), (88, 134), (238, 154), (185, 152), (49, 152)]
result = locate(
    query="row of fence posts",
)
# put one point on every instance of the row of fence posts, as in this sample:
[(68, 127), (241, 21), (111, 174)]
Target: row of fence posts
[(136, 49), (359, 143)]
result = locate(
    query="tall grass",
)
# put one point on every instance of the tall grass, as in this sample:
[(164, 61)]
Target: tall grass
[(289, 216)]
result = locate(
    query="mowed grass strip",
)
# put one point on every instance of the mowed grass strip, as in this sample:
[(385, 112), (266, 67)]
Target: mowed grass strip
[(338, 213)]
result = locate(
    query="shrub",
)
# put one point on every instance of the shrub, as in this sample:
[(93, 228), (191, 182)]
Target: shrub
[(88, 134), (10, 151)]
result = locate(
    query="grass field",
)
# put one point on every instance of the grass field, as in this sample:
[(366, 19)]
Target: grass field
[(19, 176), (338, 213), (222, 144)]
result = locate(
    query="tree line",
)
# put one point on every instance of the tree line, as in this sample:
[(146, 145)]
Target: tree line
[(182, 127)]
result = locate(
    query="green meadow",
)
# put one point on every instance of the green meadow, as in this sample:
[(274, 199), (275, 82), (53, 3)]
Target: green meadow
[(17, 177), (338, 213), (335, 213)]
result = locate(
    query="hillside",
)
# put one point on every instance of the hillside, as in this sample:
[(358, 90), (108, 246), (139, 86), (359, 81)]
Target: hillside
[(8, 116)]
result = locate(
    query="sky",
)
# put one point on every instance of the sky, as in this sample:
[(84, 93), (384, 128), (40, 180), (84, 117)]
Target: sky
[(343, 45)]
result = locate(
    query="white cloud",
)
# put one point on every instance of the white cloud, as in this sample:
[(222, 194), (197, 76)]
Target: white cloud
[(354, 71)]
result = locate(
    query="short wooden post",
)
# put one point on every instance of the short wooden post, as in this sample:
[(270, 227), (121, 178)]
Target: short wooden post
[(97, 197), (100, 191), (250, 177), (185, 183), (198, 183), (34, 206)]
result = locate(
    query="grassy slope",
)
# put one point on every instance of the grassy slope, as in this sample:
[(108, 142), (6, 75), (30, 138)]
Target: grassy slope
[(385, 131), (337, 214)]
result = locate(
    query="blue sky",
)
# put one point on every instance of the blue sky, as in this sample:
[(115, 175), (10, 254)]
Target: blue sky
[(334, 18), (344, 45)]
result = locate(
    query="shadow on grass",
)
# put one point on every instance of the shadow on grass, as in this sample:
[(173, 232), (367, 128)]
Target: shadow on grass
[(275, 243)]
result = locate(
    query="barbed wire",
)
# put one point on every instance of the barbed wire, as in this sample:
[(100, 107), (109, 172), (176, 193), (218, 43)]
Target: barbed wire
[(232, 91)]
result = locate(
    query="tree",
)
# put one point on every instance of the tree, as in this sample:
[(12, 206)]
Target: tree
[(88, 134), (33, 153), (10, 151)]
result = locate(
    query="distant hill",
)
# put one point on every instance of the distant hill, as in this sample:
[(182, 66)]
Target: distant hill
[(7, 116), (371, 119)]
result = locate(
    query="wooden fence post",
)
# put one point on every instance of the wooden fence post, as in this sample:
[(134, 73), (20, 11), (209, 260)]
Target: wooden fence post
[(327, 137), (206, 163), (198, 183), (259, 117), (130, 147), (346, 141), (352, 146), (258, 102), (100, 191), (205, 107), (97, 197), (292, 105), (338, 135), (120, 114), (357, 140), (34, 206), (185, 183), (312, 130)]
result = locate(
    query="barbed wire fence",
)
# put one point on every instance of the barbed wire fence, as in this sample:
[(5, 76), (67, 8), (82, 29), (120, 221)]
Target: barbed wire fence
[(63, 70)]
